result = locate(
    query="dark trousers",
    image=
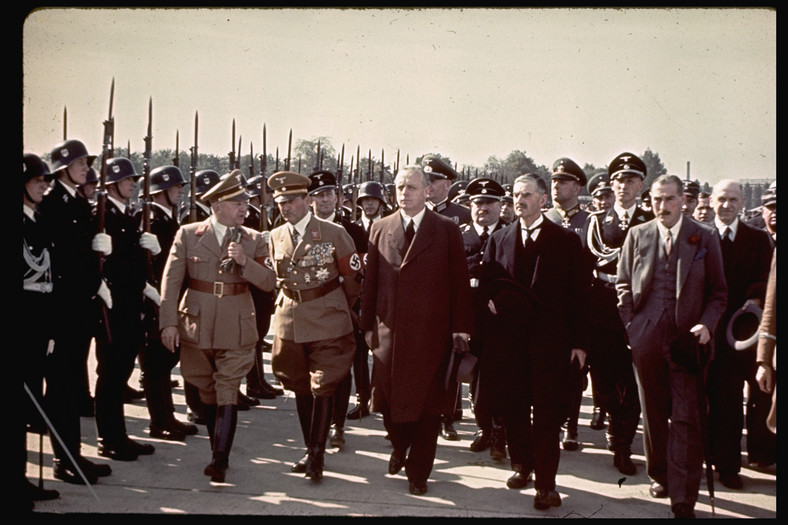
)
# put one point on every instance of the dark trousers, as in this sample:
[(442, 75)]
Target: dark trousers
[(156, 363), (419, 439)]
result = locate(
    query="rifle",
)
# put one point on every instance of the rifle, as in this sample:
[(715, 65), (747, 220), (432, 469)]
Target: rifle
[(369, 166), (238, 160), (317, 158), (382, 165), (65, 122), (231, 154), (289, 144), (263, 188), (396, 166), (175, 160), (277, 159), (146, 210), (107, 152), (339, 180), (193, 176)]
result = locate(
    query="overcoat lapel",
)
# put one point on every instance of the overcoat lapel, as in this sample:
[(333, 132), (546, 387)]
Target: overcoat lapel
[(421, 241), (209, 240)]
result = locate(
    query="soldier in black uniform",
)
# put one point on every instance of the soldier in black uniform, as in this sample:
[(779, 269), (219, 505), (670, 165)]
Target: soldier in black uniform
[(691, 191), (323, 194), (36, 305), (485, 196), (126, 274), (609, 356), (442, 175), (507, 205), (567, 180), (77, 290), (256, 385), (156, 362)]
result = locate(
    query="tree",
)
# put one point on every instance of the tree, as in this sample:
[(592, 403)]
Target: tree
[(654, 167)]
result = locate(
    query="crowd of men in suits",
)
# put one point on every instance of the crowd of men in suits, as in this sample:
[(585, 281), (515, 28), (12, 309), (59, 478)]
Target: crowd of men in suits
[(425, 275)]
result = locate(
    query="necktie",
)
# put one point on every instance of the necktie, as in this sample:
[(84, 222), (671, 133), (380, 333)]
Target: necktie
[(410, 232), (669, 243), (726, 235), (296, 237), (485, 235), (527, 237)]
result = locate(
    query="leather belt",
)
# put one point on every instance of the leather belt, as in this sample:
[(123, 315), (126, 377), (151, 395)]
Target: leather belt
[(38, 287), (218, 288), (301, 296)]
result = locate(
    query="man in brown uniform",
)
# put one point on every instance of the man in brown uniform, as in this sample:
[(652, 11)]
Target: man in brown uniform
[(317, 267), (215, 319)]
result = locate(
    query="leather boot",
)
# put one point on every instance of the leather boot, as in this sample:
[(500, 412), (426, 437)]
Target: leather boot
[(304, 404), (195, 404), (598, 419), (187, 429), (498, 439), (226, 420), (209, 418), (318, 434)]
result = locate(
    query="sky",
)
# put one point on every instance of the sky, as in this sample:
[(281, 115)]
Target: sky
[(696, 86)]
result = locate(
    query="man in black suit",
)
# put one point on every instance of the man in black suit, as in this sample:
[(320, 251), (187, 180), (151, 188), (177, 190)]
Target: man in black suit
[(485, 198), (534, 276), (746, 254), (323, 194)]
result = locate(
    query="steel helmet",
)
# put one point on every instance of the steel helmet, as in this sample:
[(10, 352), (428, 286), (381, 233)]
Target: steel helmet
[(372, 188), (34, 166), (206, 179), (119, 168), (165, 177), (67, 152)]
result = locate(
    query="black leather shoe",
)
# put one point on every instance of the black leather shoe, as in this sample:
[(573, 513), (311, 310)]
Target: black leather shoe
[(498, 443), (260, 392), (186, 428), (731, 480), (116, 451), (447, 431), (299, 467), (358, 411), (598, 419), (195, 418), (336, 437), (167, 434), (97, 469), (519, 480), (174, 383), (66, 473), (130, 394), (569, 439), (418, 488), (546, 498), (683, 511), (243, 399), (481, 441), (396, 462), (658, 490), (141, 449), (623, 462), (37, 493)]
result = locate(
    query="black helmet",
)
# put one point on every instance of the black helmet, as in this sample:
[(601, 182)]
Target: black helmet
[(67, 152), (206, 179), (165, 177), (253, 185), (92, 176), (34, 166), (119, 168), (372, 188)]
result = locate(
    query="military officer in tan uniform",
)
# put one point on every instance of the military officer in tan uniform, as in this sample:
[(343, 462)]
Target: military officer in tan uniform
[(214, 322), (318, 269)]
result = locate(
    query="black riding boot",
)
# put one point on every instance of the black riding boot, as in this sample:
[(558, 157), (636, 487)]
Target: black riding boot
[(321, 421), (304, 404), (226, 420), (209, 418)]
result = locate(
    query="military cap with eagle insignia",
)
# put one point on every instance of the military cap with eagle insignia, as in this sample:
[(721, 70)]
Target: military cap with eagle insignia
[(567, 169), (626, 164), (484, 189), (437, 168), (288, 185), (320, 181)]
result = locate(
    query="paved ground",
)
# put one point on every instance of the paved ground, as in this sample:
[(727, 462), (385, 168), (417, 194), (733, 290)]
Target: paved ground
[(463, 483)]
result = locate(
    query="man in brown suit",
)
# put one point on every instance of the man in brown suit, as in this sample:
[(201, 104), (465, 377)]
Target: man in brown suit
[(409, 331), (215, 322), (318, 268)]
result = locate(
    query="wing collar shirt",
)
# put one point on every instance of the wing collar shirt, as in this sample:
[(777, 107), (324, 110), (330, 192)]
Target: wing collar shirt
[(535, 228)]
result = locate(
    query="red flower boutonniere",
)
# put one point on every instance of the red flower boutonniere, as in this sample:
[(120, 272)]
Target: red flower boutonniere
[(693, 239)]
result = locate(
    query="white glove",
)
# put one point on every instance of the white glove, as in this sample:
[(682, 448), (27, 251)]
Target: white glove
[(102, 243), (266, 236), (150, 242), (152, 293), (103, 292), (50, 346)]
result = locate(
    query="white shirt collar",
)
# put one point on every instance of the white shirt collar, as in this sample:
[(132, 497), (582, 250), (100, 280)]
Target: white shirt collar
[(300, 226), (71, 190), (121, 206), (480, 229), (167, 210), (416, 218), (620, 210), (734, 227), (218, 228), (30, 212), (535, 227), (674, 230)]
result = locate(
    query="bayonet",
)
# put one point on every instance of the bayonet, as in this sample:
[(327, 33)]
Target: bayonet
[(238, 160), (232, 145), (65, 123), (382, 165), (340, 194), (369, 165), (193, 174), (263, 188), (289, 149), (101, 196), (175, 161)]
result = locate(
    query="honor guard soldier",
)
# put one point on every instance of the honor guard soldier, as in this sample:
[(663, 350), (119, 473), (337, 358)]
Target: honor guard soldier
[(256, 385), (36, 305), (216, 260), (442, 175), (485, 197), (206, 179), (323, 196), (156, 361), (77, 290), (125, 272), (609, 356), (567, 180), (318, 270)]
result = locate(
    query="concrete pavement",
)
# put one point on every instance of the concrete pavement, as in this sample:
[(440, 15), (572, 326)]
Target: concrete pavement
[(463, 483)]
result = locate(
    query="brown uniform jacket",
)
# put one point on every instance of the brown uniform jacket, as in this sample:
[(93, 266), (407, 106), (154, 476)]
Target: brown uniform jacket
[(325, 253), (205, 320)]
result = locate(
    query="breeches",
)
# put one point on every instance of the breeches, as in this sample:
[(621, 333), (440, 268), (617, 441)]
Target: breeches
[(316, 367), (216, 372)]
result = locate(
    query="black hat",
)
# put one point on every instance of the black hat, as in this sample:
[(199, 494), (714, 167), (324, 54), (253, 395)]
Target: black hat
[(484, 189), (287, 185), (321, 180), (769, 197), (742, 330), (567, 169), (231, 187), (34, 166), (626, 164), (437, 168), (599, 183), (457, 188), (372, 188), (691, 188)]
